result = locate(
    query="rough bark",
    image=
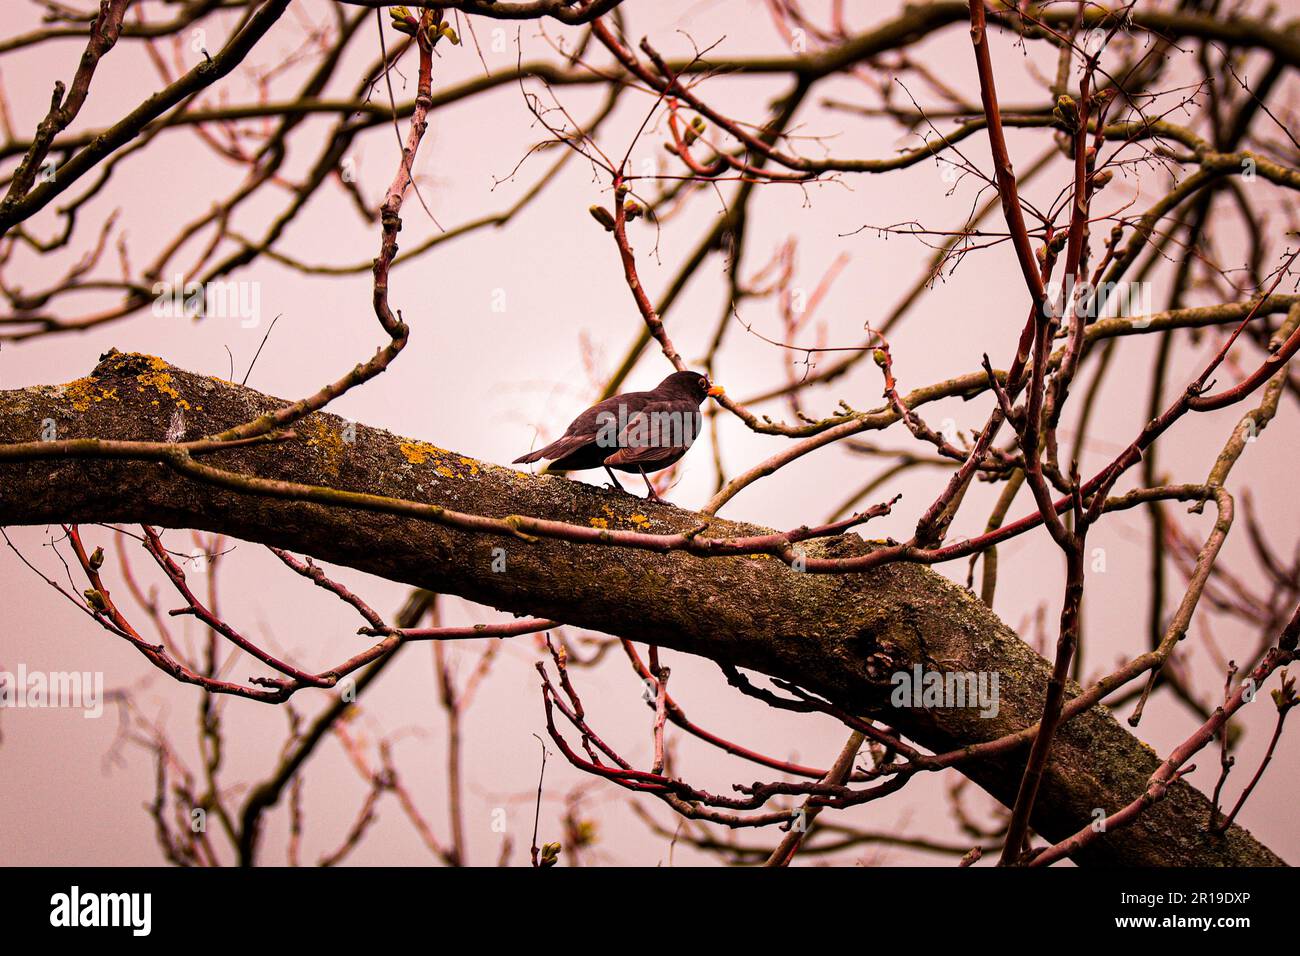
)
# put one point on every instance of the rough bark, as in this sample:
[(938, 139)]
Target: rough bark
[(840, 636)]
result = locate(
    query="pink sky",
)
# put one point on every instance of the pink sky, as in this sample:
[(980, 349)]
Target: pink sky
[(481, 381)]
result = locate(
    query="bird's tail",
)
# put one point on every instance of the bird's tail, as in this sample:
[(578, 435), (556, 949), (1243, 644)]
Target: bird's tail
[(556, 449)]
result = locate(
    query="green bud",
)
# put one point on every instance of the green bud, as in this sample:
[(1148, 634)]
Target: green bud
[(602, 216), (403, 20), (1285, 697), (96, 559), (95, 600), (1066, 111)]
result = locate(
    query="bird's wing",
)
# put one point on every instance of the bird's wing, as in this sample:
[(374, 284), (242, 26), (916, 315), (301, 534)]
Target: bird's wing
[(654, 430), (601, 420)]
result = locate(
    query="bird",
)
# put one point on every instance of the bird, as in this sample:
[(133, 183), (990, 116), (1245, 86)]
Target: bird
[(633, 432)]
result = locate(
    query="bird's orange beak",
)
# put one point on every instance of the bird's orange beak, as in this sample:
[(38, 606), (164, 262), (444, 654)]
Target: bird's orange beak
[(716, 390)]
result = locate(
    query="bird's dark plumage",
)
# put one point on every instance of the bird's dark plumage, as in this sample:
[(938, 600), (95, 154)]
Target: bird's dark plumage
[(636, 431)]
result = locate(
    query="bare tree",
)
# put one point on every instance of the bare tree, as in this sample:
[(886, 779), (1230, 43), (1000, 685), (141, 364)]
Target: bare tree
[(1185, 101)]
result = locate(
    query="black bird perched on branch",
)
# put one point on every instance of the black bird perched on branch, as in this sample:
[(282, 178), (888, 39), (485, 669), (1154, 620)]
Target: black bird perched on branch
[(635, 432)]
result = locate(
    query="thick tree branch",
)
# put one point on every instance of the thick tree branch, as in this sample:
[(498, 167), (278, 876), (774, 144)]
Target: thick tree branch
[(840, 636)]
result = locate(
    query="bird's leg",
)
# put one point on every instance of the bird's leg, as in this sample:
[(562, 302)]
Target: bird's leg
[(654, 496), (616, 483)]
